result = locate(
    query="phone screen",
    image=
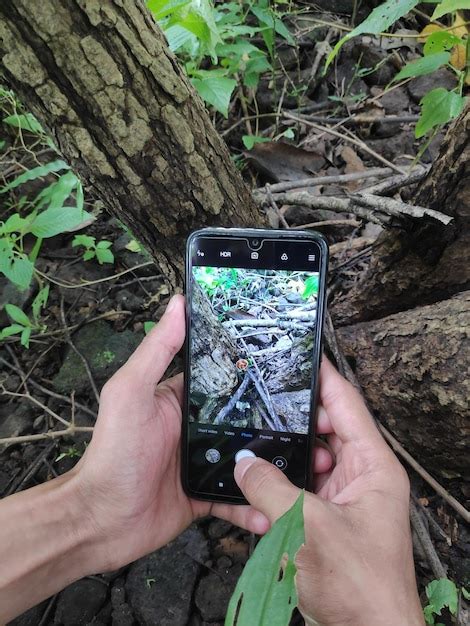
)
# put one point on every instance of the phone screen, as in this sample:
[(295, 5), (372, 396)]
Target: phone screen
[(253, 351)]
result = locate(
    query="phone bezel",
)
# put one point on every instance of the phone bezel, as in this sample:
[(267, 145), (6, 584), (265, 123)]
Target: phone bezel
[(258, 233)]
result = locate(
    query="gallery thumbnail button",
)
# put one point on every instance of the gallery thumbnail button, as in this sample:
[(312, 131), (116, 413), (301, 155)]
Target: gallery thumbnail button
[(213, 455), (280, 462)]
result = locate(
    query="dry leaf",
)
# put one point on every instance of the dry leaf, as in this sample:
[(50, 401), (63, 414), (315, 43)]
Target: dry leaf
[(281, 161), (459, 26), (457, 58), (428, 30), (353, 164), (423, 501)]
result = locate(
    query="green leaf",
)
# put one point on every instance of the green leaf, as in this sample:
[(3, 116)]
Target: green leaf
[(438, 107), (262, 596), (311, 287), (465, 593), (424, 65), (8, 331), (215, 90), (379, 20), (59, 220), (148, 327), (441, 593), (250, 140), (449, 6), (133, 246), (83, 240), (104, 244), (15, 223), (36, 172), (59, 191), (26, 122), (104, 256), (89, 254), (164, 8), (40, 302), (25, 335), (79, 198), (19, 271), (17, 315), (439, 41)]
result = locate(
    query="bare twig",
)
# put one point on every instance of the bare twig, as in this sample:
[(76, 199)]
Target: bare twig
[(30, 471), (424, 539), (394, 183), (224, 411), (315, 181), (48, 392), (351, 244), (35, 401), (51, 434), (273, 204), (399, 449), (345, 137), (352, 223), (397, 208), (91, 282), (78, 353)]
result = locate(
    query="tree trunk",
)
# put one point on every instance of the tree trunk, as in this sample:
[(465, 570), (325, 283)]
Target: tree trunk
[(100, 78), (413, 368), (430, 262)]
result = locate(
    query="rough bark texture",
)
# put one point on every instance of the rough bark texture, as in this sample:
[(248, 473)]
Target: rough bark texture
[(213, 352), (430, 262), (413, 368), (100, 78)]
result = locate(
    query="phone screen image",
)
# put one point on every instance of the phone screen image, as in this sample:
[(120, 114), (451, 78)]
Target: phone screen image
[(251, 346)]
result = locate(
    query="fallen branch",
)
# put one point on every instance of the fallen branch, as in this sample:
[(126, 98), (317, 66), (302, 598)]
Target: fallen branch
[(397, 208), (425, 541), (51, 434), (352, 223), (323, 180), (394, 183), (224, 411)]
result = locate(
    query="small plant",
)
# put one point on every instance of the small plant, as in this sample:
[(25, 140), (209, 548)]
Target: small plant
[(71, 452), (22, 324), (101, 250), (441, 594), (212, 41), (442, 47)]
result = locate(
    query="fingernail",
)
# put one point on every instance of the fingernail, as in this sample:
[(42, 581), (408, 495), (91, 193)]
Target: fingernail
[(171, 304), (242, 466)]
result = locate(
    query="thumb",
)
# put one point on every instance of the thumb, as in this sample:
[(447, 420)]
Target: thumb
[(265, 487)]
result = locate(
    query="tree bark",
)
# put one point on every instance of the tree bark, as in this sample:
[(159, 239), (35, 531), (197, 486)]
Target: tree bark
[(100, 78), (413, 368), (430, 262)]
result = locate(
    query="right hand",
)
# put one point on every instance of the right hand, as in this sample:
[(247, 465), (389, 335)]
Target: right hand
[(356, 566)]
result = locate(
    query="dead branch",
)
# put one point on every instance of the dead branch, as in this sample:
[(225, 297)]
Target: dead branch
[(394, 183), (51, 434), (396, 208), (224, 411), (425, 541)]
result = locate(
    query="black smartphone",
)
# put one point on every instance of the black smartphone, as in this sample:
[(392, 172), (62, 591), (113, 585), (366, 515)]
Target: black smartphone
[(255, 304)]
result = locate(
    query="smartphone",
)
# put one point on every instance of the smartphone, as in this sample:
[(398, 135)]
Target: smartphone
[(255, 303)]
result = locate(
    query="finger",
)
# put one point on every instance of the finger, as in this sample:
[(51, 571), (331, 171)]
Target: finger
[(323, 459), (155, 353), (324, 425), (319, 482), (244, 516), (345, 407), (265, 487), (176, 384)]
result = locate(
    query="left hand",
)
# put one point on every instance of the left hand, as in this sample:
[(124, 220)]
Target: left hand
[(129, 477)]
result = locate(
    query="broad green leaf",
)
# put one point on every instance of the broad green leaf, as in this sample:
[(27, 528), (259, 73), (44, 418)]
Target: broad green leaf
[(250, 140), (8, 331), (25, 335), (442, 593), (465, 593), (215, 90), (267, 16), (164, 8), (6, 253), (59, 220), (26, 122), (311, 287), (438, 107), (440, 41), (40, 302), (55, 194), (104, 256), (83, 240), (103, 245), (15, 223), (379, 20), (17, 315), (36, 172), (262, 596), (79, 194), (148, 327), (424, 65), (19, 271), (449, 6), (178, 37)]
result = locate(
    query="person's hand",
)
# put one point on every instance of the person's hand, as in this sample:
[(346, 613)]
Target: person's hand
[(129, 477), (356, 566)]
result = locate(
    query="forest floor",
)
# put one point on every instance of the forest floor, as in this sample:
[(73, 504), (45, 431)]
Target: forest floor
[(98, 312)]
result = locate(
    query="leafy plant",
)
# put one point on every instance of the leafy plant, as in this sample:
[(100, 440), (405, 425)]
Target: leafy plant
[(101, 250), (441, 594), (212, 43), (71, 452), (441, 48), (266, 592), (22, 324)]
